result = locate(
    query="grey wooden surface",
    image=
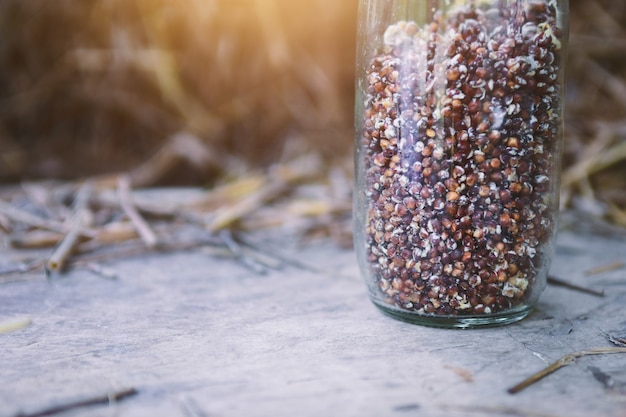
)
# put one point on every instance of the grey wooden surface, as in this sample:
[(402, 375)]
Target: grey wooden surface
[(198, 335)]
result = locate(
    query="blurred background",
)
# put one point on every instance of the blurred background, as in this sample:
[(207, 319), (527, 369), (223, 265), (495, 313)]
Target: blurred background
[(89, 87)]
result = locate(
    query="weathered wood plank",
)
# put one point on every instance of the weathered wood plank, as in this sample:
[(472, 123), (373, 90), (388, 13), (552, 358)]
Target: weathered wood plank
[(199, 335)]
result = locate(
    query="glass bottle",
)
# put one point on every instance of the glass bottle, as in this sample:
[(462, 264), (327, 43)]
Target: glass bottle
[(459, 108)]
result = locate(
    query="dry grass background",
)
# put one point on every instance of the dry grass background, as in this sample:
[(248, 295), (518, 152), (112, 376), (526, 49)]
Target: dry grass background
[(93, 86), (97, 86)]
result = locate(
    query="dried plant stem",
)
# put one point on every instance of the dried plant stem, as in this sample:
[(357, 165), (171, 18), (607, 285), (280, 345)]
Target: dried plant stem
[(227, 216), (566, 284), (292, 261), (101, 399), (181, 147), (276, 184), (613, 266), (616, 340), (562, 362), (14, 325), (500, 411), (35, 239), (618, 215), (79, 219), (236, 250), (22, 267), (139, 248), (101, 271), (30, 219), (139, 223), (63, 251), (598, 161), (112, 233)]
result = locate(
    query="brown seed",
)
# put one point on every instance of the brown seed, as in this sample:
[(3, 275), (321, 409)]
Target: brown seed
[(380, 160), (452, 196), (466, 222), (474, 280), (471, 180), (410, 203), (488, 299), (505, 196), (451, 208), (474, 107), (452, 184), (401, 210), (481, 72), (453, 74), (494, 136), (484, 191), (457, 171), (497, 177), (513, 142), (516, 187)]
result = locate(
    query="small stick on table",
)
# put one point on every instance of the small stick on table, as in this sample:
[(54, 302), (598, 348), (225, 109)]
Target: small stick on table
[(140, 225), (30, 219), (102, 399), (562, 362), (566, 284), (14, 325), (605, 268), (79, 219), (236, 250)]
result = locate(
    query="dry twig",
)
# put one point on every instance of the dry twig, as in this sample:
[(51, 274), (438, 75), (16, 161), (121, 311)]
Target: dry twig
[(101, 399), (79, 220), (562, 362), (30, 219), (616, 340), (605, 268), (279, 182), (236, 250), (14, 325), (566, 284), (141, 226)]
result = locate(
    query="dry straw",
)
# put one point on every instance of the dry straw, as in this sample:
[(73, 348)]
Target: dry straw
[(93, 87)]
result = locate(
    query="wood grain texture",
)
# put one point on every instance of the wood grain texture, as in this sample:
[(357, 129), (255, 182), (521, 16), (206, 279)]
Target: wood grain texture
[(194, 332)]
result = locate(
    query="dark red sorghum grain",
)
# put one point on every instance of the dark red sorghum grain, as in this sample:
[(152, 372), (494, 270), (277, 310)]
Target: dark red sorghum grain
[(462, 122)]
